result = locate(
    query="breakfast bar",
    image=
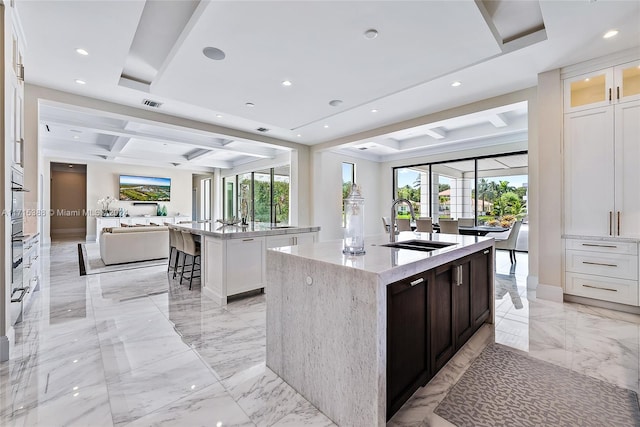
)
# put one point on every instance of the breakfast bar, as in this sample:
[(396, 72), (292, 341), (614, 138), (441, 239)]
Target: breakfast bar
[(234, 256), (358, 335)]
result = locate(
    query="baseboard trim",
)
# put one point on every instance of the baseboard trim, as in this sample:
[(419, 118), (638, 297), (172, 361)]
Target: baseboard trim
[(549, 292), (602, 304), (4, 348), (532, 283)]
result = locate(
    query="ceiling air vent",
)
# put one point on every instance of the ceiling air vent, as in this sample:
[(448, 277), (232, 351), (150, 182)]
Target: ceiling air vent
[(262, 130), (362, 148), (150, 103)]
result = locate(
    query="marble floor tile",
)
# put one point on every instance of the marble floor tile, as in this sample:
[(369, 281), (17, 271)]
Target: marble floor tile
[(143, 391), (137, 348), (266, 398), (305, 415), (211, 406)]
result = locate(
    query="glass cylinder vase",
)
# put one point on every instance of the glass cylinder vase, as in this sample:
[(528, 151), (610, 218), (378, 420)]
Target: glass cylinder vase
[(354, 217)]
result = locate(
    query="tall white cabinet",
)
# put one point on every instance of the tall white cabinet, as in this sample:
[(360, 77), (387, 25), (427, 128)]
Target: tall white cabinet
[(601, 185)]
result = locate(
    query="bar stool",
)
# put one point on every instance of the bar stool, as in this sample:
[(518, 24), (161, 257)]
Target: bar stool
[(179, 242), (172, 247), (190, 249)]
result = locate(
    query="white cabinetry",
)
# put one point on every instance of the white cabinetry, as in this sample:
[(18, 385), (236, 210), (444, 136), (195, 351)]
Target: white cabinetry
[(604, 270), (291, 239), (601, 173), (245, 264), (602, 184)]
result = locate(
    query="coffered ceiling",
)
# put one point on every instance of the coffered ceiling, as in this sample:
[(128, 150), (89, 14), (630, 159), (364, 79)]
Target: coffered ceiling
[(353, 66)]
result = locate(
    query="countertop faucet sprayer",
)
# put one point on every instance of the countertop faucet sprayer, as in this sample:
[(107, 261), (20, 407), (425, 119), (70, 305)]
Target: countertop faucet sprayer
[(392, 231)]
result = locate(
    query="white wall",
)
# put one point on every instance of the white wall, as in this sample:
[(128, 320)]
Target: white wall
[(327, 194), (548, 180), (102, 181)]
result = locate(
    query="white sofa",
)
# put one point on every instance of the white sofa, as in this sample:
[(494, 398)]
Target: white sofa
[(130, 244)]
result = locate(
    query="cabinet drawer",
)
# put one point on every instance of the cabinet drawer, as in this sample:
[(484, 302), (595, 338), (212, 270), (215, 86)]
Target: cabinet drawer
[(608, 265), (603, 246), (602, 288)]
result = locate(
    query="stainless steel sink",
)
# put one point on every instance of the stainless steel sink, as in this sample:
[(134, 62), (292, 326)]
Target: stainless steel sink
[(419, 245)]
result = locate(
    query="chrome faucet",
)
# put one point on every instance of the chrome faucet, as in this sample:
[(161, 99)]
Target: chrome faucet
[(392, 231)]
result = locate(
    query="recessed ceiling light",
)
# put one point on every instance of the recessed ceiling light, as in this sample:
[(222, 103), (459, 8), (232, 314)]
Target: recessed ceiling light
[(610, 33), (82, 52), (371, 33), (76, 137), (326, 126), (299, 135), (456, 84), (81, 82), (219, 116), (587, 79), (286, 83), (374, 111), (335, 102), (250, 104), (214, 53)]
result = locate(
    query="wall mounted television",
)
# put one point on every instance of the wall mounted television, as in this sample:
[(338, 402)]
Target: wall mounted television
[(145, 188)]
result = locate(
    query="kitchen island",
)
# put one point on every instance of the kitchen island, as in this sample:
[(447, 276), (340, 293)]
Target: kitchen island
[(357, 335), (233, 257)]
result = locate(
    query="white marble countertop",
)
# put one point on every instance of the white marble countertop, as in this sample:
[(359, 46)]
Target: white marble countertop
[(392, 264), (258, 229)]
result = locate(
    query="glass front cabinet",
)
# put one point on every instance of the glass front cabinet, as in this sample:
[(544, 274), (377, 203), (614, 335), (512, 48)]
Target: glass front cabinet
[(603, 87)]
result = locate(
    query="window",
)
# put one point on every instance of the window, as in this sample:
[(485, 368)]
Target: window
[(261, 196), (489, 189), (205, 199), (348, 178)]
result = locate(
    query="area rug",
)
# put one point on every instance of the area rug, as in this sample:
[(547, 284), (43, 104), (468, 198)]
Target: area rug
[(90, 261), (506, 388)]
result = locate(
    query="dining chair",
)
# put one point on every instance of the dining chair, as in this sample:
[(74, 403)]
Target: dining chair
[(466, 222), (510, 242), (424, 225), (192, 250), (403, 224), (448, 226)]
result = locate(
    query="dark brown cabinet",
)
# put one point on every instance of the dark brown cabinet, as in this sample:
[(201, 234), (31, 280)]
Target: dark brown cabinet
[(481, 286), (407, 361), (429, 317)]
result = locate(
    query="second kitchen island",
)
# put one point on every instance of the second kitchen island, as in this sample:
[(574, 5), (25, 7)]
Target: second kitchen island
[(233, 258), (358, 335)]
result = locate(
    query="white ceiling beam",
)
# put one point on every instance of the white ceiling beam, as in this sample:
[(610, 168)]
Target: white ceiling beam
[(60, 145), (209, 167), (199, 154), (256, 151), (498, 120), (389, 143), (436, 133)]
